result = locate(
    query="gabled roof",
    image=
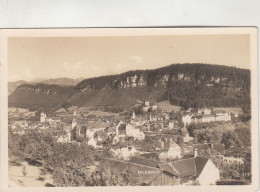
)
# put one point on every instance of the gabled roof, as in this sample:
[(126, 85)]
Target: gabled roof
[(200, 163), (110, 129), (145, 173), (150, 156), (144, 161), (167, 144), (186, 168), (101, 134), (168, 167)]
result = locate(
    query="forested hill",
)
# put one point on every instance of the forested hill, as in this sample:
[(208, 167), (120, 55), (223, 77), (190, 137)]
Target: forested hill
[(186, 85)]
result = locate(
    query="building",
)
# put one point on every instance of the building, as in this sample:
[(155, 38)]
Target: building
[(92, 142), (121, 129), (100, 136), (145, 108), (147, 175), (193, 170), (186, 136), (94, 126), (110, 131), (144, 161), (147, 103), (222, 115), (207, 118), (186, 119), (134, 132), (235, 155), (124, 153), (206, 111), (220, 148), (154, 107), (170, 150), (171, 124), (115, 139), (64, 138)]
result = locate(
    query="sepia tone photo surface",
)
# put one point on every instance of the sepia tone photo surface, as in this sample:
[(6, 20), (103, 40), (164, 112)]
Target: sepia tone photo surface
[(173, 108)]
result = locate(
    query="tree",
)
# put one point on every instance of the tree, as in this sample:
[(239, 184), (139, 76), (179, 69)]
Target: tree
[(130, 177)]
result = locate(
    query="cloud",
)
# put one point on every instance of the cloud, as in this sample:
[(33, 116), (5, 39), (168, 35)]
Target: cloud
[(72, 67)]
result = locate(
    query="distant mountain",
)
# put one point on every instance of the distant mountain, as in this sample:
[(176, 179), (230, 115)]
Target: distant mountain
[(13, 85), (58, 81), (40, 96), (185, 85)]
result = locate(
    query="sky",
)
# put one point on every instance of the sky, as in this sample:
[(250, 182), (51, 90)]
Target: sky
[(32, 58)]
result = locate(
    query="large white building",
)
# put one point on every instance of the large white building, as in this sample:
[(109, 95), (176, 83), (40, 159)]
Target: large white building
[(204, 115), (222, 116), (207, 118)]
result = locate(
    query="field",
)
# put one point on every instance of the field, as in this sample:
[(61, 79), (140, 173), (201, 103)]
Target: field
[(16, 178), (166, 106)]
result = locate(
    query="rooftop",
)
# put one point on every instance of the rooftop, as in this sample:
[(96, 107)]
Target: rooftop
[(144, 161), (145, 173), (185, 167)]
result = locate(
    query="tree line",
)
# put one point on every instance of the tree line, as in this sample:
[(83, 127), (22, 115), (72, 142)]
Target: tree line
[(68, 163)]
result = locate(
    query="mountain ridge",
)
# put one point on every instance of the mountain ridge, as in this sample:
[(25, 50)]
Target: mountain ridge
[(186, 85)]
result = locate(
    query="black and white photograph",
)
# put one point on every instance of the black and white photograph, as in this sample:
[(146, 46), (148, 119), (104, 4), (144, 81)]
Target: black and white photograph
[(131, 107)]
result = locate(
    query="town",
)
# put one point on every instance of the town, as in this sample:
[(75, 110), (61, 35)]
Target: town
[(161, 147)]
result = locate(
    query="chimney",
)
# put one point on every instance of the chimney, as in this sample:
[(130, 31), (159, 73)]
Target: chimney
[(211, 145), (195, 153)]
